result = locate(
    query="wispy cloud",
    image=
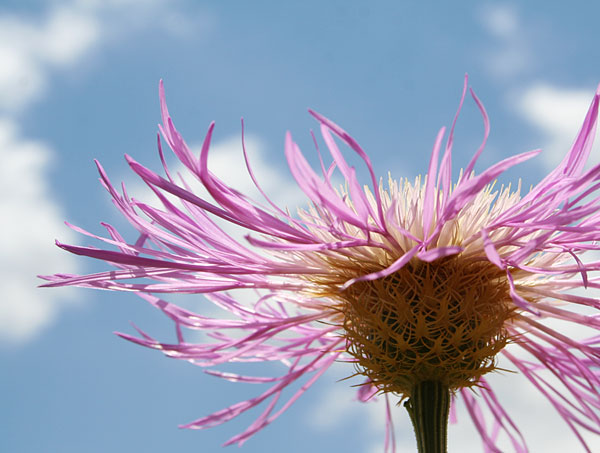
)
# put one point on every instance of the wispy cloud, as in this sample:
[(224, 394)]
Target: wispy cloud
[(511, 55), (30, 49), (558, 114), (30, 220), (34, 47)]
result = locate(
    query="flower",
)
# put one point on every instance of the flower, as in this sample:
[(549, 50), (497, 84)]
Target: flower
[(411, 282)]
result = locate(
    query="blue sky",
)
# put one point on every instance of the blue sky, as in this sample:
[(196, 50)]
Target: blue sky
[(78, 81)]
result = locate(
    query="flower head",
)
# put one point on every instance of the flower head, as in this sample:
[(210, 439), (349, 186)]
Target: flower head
[(411, 282)]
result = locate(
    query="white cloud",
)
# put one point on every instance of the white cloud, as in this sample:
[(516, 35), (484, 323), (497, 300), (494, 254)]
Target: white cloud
[(31, 219), (67, 36), (20, 79), (558, 113), (32, 48), (512, 55), (29, 49)]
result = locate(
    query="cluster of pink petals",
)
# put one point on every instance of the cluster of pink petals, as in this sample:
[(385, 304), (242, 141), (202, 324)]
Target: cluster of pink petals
[(182, 247)]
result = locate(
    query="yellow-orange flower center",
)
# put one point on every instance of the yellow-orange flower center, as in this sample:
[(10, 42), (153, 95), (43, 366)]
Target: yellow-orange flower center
[(441, 321)]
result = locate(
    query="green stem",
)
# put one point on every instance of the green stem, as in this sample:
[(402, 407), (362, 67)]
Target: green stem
[(428, 407)]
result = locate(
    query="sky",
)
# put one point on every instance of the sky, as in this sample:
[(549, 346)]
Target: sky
[(79, 81)]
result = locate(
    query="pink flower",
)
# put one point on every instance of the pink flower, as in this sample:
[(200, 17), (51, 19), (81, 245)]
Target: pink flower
[(409, 282)]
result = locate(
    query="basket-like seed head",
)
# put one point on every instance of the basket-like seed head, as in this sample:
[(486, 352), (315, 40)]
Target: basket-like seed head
[(440, 321)]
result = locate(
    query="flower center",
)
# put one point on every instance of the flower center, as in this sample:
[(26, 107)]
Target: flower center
[(441, 321)]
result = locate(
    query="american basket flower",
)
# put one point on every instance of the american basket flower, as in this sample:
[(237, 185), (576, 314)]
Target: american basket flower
[(420, 286)]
